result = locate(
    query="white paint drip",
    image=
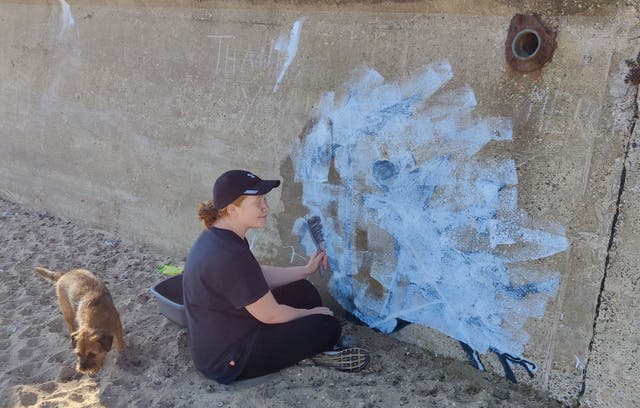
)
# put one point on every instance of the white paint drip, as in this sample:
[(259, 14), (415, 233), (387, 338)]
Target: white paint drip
[(290, 47), (419, 225), (66, 18)]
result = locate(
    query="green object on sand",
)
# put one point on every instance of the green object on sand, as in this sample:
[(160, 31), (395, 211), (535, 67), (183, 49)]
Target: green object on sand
[(170, 270)]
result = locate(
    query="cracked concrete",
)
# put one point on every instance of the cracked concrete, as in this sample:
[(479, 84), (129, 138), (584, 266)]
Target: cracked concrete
[(608, 381)]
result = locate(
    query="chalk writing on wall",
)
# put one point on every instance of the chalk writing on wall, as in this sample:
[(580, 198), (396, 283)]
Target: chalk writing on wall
[(230, 60), (271, 58), (420, 226)]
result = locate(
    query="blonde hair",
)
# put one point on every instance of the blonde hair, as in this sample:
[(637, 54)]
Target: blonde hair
[(208, 214)]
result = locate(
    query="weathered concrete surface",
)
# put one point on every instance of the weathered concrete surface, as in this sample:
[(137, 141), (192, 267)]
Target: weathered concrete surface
[(120, 114), (609, 378)]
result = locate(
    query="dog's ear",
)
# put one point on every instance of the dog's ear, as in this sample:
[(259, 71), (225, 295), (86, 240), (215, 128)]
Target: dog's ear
[(105, 341), (74, 339)]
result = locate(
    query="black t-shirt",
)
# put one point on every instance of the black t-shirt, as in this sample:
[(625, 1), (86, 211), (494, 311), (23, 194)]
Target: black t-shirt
[(221, 277)]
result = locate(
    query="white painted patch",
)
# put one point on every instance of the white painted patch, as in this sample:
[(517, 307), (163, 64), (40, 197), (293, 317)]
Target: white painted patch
[(420, 225), (290, 47)]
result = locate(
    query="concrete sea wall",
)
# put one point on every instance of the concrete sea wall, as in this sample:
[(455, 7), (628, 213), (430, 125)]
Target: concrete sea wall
[(480, 211)]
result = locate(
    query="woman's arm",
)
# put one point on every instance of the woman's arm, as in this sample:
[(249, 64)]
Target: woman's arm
[(278, 276), (268, 311)]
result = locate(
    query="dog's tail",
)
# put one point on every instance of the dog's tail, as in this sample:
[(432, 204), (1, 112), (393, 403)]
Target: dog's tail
[(47, 274)]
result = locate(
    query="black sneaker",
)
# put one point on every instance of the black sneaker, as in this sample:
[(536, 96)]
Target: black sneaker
[(346, 359)]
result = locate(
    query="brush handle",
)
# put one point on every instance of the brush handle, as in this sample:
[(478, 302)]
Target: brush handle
[(321, 247), (315, 228)]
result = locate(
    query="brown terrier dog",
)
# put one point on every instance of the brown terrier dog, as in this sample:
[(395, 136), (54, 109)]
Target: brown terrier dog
[(92, 318)]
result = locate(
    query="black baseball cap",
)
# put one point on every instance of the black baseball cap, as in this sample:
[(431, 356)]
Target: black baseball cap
[(235, 183)]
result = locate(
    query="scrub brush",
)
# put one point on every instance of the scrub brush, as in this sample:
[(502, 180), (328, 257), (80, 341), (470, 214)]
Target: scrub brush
[(315, 228)]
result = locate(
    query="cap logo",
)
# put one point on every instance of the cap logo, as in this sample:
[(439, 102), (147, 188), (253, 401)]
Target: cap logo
[(250, 192), (251, 175)]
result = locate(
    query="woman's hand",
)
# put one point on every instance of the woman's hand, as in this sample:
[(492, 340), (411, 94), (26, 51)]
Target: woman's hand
[(321, 310), (318, 258)]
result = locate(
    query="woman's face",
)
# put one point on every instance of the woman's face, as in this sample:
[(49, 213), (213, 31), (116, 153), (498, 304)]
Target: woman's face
[(252, 211)]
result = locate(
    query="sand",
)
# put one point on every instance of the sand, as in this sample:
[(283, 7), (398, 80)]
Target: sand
[(37, 364)]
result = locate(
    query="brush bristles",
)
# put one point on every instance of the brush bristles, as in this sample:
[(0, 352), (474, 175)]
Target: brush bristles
[(315, 227)]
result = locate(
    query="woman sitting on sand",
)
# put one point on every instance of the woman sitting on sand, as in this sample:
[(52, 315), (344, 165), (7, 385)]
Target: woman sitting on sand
[(244, 319)]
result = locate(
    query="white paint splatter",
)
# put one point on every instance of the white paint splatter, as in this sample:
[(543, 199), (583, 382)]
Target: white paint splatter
[(290, 47), (420, 225), (66, 18)]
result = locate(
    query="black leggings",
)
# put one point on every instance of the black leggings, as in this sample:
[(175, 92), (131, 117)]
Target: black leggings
[(283, 345)]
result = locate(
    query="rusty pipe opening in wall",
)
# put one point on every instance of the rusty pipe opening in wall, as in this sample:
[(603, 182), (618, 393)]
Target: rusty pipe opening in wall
[(530, 44), (526, 44)]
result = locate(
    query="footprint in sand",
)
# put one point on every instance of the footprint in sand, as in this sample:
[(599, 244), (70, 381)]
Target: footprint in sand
[(43, 302), (55, 325), (29, 332), (33, 342), (68, 373), (28, 399), (74, 396), (48, 387), (25, 353), (25, 371), (7, 332), (26, 311), (59, 357), (132, 360), (8, 306)]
